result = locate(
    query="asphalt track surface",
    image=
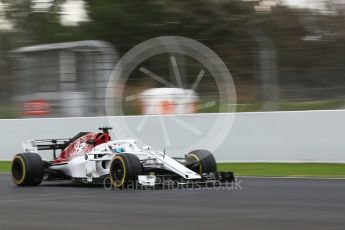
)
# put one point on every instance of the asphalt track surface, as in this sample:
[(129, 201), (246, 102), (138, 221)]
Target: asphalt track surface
[(259, 204)]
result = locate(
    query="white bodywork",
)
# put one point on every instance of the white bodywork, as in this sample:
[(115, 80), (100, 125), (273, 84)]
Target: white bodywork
[(96, 163)]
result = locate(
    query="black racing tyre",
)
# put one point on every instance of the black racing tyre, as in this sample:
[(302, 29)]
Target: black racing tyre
[(201, 161), (124, 170), (27, 169)]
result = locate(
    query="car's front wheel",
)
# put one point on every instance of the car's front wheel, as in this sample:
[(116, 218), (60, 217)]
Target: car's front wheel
[(201, 161), (124, 170)]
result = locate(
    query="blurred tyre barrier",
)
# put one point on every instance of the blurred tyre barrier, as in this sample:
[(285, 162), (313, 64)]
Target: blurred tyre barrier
[(163, 101), (37, 107), (300, 136)]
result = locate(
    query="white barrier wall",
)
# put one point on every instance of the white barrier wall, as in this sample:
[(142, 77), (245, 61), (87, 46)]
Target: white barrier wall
[(311, 136)]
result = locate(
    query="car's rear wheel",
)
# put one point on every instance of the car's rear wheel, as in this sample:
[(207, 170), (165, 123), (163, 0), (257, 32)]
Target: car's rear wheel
[(124, 170), (27, 169), (201, 161)]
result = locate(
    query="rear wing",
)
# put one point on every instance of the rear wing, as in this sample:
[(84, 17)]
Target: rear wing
[(50, 144)]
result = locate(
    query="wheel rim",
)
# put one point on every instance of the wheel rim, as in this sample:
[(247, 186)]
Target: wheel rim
[(194, 159), (118, 172)]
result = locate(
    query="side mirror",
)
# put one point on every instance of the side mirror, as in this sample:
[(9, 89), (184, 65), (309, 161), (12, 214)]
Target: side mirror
[(146, 147), (91, 142)]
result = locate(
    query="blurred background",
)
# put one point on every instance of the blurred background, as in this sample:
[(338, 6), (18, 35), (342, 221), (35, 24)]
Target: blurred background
[(56, 55)]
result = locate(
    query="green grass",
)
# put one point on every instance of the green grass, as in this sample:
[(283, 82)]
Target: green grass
[(5, 166), (285, 169), (311, 105), (268, 169), (294, 106)]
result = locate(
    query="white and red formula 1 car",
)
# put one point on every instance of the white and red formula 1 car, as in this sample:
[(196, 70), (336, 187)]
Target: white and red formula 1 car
[(91, 157)]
